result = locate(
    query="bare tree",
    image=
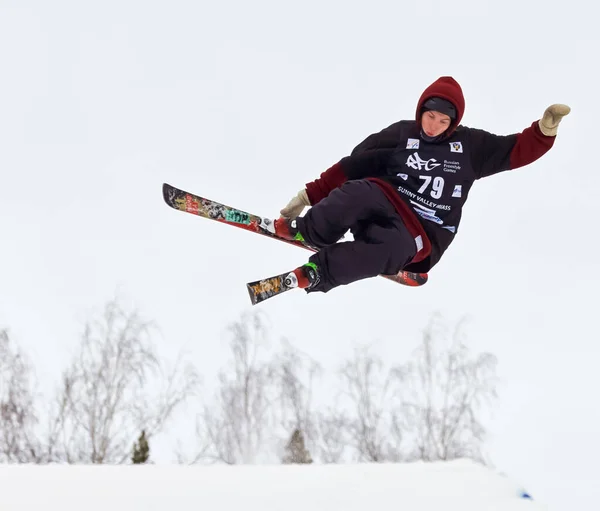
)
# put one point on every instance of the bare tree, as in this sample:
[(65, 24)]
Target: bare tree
[(238, 426), (18, 417), (108, 394), (294, 377), (445, 392), (369, 388), (331, 438)]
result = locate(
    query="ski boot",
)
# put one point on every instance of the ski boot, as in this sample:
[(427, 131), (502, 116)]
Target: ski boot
[(284, 228), (305, 277)]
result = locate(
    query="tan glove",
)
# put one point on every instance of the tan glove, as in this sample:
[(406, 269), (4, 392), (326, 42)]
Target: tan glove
[(551, 119), (296, 205)]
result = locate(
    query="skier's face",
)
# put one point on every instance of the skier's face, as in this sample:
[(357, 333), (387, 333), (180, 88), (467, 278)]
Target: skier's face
[(434, 123)]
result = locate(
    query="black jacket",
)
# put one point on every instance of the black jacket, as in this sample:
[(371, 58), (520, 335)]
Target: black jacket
[(430, 182)]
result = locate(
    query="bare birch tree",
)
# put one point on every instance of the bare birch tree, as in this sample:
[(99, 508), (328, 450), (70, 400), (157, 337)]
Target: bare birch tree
[(331, 438), (18, 416), (294, 379), (369, 389), (446, 390), (238, 426), (111, 391)]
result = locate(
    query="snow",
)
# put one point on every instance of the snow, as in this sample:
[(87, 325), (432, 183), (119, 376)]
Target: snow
[(458, 485)]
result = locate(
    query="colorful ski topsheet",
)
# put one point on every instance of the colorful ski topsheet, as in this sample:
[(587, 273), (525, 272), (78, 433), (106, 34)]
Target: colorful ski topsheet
[(206, 208), (263, 289)]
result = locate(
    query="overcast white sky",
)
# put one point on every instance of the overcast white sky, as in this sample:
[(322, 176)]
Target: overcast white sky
[(244, 102)]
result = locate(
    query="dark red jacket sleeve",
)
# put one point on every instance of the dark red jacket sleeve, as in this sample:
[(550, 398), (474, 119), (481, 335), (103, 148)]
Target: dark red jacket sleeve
[(318, 189), (497, 153), (368, 164), (531, 145)]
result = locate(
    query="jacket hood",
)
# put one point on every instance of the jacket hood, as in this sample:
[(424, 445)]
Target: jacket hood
[(449, 89)]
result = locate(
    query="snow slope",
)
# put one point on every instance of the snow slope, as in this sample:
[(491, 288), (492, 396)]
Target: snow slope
[(459, 485)]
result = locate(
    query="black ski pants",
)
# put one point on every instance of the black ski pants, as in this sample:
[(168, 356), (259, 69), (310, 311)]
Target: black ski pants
[(382, 243)]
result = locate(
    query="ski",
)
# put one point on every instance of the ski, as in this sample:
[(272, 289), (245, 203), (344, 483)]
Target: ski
[(196, 205), (261, 290)]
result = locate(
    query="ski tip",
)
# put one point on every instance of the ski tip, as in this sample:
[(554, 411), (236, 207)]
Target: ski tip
[(252, 294), (166, 188), (415, 279), (171, 195), (409, 279)]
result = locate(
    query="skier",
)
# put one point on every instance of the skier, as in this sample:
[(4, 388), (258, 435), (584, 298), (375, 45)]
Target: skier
[(401, 191)]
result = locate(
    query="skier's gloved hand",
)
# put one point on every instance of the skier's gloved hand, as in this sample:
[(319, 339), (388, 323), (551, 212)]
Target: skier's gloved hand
[(551, 119), (296, 205)]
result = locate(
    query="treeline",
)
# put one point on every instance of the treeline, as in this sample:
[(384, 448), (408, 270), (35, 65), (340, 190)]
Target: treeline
[(267, 405)]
